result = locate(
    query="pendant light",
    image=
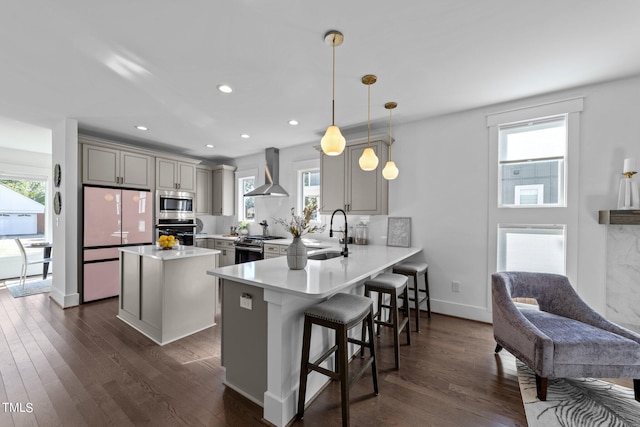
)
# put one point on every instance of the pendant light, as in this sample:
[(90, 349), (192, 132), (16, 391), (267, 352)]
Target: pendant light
[(390, 170), (368, 161), (333, 142)]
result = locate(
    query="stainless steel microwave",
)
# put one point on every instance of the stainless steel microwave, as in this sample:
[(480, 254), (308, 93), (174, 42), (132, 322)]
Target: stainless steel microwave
[(175, 204)]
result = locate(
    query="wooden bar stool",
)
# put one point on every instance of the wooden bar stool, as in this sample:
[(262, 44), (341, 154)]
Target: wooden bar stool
[(340, 313), (415, 269), (392, 285)]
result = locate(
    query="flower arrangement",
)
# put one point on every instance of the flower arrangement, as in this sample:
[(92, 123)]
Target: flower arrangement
[(243, 225), (301, 225)]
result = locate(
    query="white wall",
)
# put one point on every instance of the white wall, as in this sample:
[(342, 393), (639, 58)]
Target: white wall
[(443, 185)]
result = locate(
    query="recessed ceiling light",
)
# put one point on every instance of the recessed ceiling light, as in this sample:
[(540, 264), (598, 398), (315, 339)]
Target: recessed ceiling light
[(225, 88), (140, 127), (209, 145), (293, 122), (245, 136)]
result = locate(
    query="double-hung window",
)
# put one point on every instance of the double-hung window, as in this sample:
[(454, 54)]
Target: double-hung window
[(532, 162), (309, 190), (246, 205)]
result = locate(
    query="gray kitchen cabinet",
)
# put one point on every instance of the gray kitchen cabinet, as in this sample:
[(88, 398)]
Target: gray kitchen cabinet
[(204, 193), (175, 175), (271, 250), (114, 167), (228, 248), (202, 242), (224, 190), (343, 185)]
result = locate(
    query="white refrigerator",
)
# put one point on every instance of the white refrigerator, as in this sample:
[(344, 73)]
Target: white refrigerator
[(112, 218)]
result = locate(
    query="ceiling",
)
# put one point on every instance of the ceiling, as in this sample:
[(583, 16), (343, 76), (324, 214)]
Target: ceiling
[(116, 64)]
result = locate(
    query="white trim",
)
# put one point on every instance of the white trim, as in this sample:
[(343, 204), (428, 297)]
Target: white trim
[(574, 105)]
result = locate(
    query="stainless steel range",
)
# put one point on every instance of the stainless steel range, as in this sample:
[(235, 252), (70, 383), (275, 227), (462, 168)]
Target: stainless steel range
[(251, 248)]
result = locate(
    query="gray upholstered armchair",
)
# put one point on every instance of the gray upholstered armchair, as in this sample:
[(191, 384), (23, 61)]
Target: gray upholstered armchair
[(564, 337)]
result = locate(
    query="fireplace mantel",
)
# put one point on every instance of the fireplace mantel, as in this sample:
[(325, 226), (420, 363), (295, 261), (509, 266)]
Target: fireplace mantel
[(621, 217)]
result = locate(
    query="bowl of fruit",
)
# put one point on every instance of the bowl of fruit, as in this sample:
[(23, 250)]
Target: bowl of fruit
[(167, 242)]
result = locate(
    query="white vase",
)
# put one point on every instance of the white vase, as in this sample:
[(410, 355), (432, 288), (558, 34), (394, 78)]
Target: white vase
[(244, 231), (297, 254)]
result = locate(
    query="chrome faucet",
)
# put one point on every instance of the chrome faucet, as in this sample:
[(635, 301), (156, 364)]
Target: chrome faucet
[(345, 251), (265, 228)]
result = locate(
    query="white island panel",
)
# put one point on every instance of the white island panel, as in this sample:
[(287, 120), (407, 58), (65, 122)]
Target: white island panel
[(167, 294)]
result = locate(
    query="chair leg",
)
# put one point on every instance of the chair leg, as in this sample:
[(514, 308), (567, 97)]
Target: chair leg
[(378, 315), (343, 362), (396, 331), (302, 390), (407, 314), (416, 296), (541, 387), (372, 352), (636, 389), (498, 348), (426, 286)]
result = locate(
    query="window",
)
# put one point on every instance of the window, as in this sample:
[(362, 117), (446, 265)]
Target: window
[(532, 159), (247, 211), (533, 191), (531, 248), (309, 190), (529, 194)]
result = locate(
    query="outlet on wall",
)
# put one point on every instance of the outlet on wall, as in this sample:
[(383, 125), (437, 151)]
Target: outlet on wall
[(455, 286)]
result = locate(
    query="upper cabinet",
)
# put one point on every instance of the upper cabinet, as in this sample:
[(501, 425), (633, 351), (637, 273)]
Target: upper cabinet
[(224, 190), (175, 175), (343, 185), (110, 166), (204, 194)]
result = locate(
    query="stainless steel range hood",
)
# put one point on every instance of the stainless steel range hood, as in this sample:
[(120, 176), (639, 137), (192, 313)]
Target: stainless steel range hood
[(272, 169)]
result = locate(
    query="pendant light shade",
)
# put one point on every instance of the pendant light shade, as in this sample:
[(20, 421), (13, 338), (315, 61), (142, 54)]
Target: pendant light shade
[(333, 142), (390, 170), (368, 161)]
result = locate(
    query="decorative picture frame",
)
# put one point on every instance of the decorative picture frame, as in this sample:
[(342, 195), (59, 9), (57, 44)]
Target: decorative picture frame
[(57, 203), (399, 231), (57, 175)]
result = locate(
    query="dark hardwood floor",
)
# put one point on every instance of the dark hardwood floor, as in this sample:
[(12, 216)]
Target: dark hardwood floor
[(84, 367)]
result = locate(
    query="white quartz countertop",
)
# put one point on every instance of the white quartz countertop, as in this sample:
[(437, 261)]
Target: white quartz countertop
[(216, 236), (178, 252), (319, 279)]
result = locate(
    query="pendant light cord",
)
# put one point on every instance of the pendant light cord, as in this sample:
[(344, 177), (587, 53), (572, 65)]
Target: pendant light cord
[(333, 83), (390, 136), (369, 115)]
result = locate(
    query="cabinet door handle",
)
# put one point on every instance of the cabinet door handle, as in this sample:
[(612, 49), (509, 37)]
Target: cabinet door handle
[(224, 252)]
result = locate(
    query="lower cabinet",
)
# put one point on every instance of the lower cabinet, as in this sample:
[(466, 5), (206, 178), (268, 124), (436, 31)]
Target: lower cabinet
[(228, 249)]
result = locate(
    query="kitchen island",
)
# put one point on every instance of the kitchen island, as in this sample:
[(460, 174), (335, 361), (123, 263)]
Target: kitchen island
[(263, 304), (166, 294)]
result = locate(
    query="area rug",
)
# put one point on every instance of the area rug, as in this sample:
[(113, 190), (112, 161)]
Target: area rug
[(579, 402), (31, 287)]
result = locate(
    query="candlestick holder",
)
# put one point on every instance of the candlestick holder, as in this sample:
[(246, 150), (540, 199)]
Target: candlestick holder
[(628, 192)]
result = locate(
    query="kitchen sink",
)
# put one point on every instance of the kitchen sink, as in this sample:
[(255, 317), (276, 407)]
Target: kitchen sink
[(324, 255)]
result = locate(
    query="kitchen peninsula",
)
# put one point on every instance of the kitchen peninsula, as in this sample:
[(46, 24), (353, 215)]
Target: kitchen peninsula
[(166, 294), (263, 305)]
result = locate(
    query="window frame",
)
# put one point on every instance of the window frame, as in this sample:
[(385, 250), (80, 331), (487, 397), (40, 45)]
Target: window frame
[(300, 191), (562, 184), (240, 177)]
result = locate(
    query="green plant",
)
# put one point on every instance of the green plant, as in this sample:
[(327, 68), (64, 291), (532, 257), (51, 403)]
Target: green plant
[(243, 225)]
